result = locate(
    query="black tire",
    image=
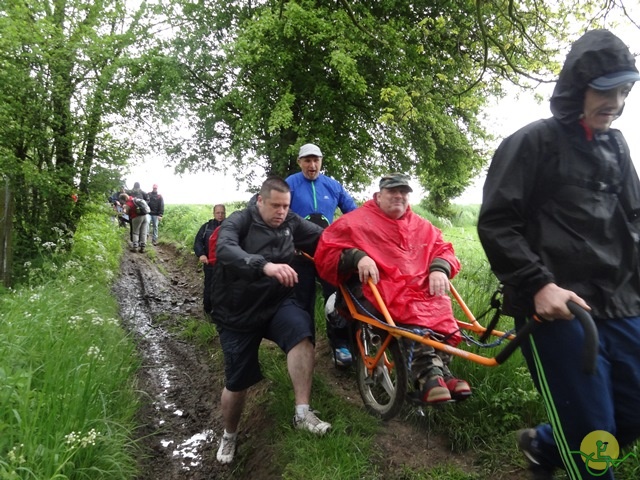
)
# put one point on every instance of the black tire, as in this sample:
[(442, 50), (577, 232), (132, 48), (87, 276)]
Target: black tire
[(383, 391)]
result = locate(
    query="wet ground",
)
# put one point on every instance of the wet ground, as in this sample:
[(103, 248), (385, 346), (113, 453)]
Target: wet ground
[(181, 385)]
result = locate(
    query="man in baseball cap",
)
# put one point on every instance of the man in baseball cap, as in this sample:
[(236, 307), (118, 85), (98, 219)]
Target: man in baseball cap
[(396, 180), (316, 197), (409, 261)]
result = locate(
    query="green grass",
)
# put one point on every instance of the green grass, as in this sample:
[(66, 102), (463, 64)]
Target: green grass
[(66, 394)]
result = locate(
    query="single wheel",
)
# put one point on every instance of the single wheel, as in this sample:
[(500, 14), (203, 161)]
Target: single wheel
[(383, 388)]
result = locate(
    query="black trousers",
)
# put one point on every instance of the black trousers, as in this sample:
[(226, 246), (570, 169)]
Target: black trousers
[(305, 291)]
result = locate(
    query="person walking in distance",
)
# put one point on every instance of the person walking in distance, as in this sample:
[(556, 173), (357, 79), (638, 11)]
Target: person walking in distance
[(201, 250), (156, 204), (139, 223), (560, 222), (315, 197)]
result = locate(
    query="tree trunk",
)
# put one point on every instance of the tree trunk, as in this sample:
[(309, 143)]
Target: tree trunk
[(6, 222)]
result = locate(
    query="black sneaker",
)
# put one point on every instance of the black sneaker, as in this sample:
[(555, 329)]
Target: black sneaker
[(526, 441)]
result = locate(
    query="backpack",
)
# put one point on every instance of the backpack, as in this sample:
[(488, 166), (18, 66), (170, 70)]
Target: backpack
[(213, 241), (142, 207)]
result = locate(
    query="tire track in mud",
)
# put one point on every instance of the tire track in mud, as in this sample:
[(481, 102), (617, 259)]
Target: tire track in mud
[(180, 389)]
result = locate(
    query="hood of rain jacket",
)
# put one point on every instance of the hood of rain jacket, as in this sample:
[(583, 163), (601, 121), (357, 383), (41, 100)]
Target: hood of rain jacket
[(596, 53)]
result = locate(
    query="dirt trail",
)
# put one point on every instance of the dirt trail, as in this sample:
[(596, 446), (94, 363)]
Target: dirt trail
[(182, 385)]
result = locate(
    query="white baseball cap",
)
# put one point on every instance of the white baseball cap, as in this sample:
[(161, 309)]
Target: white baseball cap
[(309, 149)]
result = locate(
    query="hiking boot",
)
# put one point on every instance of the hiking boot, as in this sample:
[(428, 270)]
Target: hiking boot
[(142, 249), (134, 249), (435, 391), (311, 423), (342, 357), (459, 389), (227, 449), (527, 443)]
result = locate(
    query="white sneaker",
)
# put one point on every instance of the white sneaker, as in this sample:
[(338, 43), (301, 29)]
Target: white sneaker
[(311, 423), (227, 449)]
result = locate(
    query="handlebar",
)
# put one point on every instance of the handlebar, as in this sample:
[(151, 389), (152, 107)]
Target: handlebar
[(591, 340)]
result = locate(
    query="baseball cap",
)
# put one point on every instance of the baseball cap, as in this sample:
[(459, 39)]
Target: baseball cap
[(613, 80), (309, 149), (394, 180), (155, 186)]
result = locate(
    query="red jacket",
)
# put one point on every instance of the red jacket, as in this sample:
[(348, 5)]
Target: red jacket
[(403, 250)]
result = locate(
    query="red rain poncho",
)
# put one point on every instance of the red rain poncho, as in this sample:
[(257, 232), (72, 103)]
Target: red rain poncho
[(403, 250)]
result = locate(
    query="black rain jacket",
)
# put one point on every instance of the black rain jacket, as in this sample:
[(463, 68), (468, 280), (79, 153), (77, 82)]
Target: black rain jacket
[(201, 242), (243, 297), (561, 205)]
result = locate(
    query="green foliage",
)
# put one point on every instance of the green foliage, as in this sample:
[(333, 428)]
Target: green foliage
[(61, 66), (67, 402), (387, 86), (180, 223)]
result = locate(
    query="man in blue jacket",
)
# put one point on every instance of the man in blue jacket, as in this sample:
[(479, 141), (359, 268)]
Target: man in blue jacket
[(315, 197)]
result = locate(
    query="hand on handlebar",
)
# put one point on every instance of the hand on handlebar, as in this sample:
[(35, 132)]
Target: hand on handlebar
[(367, 268), (551, 302), (438, 283)]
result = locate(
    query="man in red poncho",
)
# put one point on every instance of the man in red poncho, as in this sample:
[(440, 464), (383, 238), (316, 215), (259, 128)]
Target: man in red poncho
[(410, 263)]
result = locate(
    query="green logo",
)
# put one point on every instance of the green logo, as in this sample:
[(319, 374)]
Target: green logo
[(600, 451)]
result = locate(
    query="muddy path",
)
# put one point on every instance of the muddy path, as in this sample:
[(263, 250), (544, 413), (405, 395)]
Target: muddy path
[(181, 385)]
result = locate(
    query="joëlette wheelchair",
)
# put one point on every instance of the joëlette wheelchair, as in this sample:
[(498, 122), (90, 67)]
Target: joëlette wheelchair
[(380, 362)]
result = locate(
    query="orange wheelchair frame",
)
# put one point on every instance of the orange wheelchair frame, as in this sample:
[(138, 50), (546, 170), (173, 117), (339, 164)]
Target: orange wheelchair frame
[(381, 368)]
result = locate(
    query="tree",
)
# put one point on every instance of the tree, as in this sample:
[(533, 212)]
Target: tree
[(61, 65), (385, 85), (380, 86)]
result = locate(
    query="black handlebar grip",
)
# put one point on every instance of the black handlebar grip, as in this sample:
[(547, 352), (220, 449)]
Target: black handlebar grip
[(591, 339), (524, 332)]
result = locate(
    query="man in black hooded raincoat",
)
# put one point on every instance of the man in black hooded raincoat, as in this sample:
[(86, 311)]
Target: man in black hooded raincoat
[(560, 222)]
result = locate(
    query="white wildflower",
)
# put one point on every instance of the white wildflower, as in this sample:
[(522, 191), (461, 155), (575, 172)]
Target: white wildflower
[(27, 264), (71, 438), (89, 438), (14, 457), (94, 351), (75, 440), (74, 320), (48, 245)]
